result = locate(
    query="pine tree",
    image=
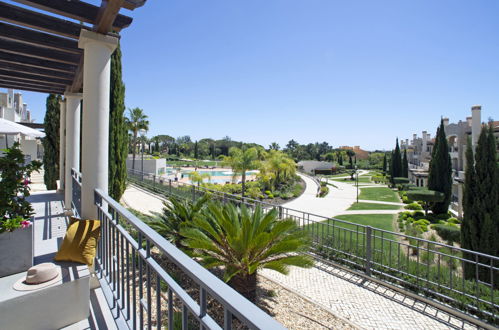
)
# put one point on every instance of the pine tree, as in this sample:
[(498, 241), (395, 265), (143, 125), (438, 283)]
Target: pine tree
[(440, 173), (118, 134), (51, 124), (405, 165)]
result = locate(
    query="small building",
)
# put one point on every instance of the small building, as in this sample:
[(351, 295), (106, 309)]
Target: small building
[(317, 167), (151, 165)]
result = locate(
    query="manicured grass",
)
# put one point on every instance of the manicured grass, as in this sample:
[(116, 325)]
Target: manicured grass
[(363, 179), (337, 175), (192, 163), (381, 221), (373, 206), (379, 194)]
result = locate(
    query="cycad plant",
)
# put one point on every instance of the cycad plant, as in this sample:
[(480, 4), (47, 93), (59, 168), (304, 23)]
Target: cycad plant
[(243, 241), (177, 213)]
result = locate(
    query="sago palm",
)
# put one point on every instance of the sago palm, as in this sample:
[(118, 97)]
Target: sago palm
[(136, 121), (177, 213), (244, 241)]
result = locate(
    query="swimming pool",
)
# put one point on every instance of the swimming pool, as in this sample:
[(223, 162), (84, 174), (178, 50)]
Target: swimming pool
[(227, 173)]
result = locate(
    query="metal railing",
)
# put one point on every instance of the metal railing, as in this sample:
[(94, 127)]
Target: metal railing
[(147, 293), (76, 192), (466, 280)]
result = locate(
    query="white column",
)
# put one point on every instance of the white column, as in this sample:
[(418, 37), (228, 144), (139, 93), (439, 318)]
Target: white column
[(62, 142), (95, 130), (73, 110)]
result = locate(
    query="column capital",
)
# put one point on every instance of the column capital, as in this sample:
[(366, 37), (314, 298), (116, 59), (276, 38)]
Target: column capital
[(87, 37), (68, 95)]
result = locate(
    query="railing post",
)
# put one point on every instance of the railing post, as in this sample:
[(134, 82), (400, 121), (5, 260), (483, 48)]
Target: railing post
[(154, 180), (280, 212), (368, 250), (193, 193), (170, 185)]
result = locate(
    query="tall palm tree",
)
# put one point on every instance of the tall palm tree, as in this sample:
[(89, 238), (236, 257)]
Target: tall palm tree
[(241, 161), (277, 168), (136, 121), (176, 213), (244, 241)]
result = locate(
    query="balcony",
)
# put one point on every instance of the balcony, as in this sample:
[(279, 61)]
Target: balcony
[(134, 287)]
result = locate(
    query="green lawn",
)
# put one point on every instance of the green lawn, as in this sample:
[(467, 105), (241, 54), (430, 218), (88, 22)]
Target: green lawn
[(373, 206), (379, 194), (381, 221), (337, 175), (362, 179)]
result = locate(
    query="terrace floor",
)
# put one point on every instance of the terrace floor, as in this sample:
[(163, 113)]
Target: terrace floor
[(49, 229)]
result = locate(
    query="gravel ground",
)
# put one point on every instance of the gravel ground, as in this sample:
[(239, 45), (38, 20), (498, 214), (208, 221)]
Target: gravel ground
[(293, 311)]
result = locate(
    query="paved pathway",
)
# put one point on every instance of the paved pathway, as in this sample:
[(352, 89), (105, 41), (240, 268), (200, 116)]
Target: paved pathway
[(364, 303), (142, 200)]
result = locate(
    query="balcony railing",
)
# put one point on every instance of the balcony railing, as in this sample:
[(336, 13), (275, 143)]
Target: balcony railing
[(76, 192), (432, 270), (146, 292)]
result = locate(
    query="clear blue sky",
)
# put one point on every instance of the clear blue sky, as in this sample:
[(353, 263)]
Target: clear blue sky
[(345, 72)]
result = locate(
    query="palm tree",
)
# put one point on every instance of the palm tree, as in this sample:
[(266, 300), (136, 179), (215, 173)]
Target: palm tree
[(177, 213), (136, 121), (277, 168), (243, 242), (241, 161), (198, 178)]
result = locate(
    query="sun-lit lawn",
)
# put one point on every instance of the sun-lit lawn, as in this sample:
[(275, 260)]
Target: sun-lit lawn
[(362, 179), (373, 206), (351, 232), (379, 194)]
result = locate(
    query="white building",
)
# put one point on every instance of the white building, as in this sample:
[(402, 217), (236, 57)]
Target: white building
[(12, 108), (419, 151)]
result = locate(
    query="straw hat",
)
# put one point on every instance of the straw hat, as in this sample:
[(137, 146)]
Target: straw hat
[(40, 276)]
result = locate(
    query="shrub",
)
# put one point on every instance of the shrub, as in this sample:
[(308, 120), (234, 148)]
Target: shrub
[(454, 220), (443, 216), (324, 191), (450, 233), (413, 206), (417, 214)]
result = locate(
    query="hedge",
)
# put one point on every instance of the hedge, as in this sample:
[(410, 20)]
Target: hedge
[(449, 233)]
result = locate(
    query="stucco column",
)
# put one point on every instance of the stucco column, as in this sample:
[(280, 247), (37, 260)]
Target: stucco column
[(73, 110), (62, 142), (95, 129)]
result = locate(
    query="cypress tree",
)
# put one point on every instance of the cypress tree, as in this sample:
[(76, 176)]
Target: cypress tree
[(396, 162), (440, 173), (196, 150), (50, 142), (469, 225), (405, 165), (118, 134), (384, 163)]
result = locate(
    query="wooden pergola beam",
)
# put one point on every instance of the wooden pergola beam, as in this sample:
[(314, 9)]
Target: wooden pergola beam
[(36, 62), (19, 48), (30, 77), (32, 37), (32, 83), (41, 89), (19, 68), (133, 4), (34, 20), (107, 12), (77, 10)]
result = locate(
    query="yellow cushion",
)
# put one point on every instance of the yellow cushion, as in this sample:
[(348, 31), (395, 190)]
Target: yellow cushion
[(80, 242)]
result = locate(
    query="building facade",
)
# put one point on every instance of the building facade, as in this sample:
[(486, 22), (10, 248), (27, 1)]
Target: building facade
[(419, 151)]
